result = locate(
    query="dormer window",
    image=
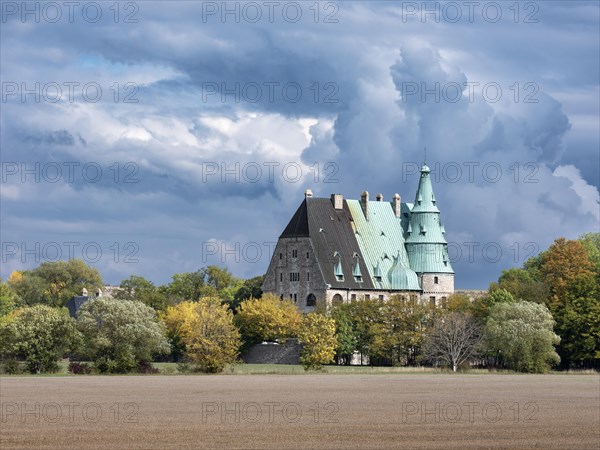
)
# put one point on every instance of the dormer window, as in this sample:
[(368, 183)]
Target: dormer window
[(339, 273), (377, 272), (356, 270)]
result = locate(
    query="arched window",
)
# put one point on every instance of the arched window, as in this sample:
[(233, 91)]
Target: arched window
[(337, 300), (311, 300)]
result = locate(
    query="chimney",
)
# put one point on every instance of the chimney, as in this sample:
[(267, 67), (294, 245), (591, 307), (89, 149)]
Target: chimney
[(338, 201), (396, 205), (99, 293), (379, 197), (308, 193), (364, 203)]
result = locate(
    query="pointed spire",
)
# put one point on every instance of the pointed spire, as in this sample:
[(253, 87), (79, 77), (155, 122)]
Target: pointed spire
[(425, 199), (427, 246)]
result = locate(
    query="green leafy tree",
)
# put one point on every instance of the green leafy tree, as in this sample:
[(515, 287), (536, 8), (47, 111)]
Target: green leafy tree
[(524, 284), (137, 288), (186, 286), (120, 334), (386, 332), (407, 323), (210, 281), (28, 287), (267, 319), (54, 283), (481, 306), (591, 242), (318, 339), (577, 318), (459, 303), (367, 324), (521, 334), (344, 330), (206, 329), (9, 301), (250, 288), (41, 335), (218, 277)]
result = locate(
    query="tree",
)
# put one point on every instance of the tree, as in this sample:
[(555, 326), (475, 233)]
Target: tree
[(41, 335), (139, 289), (267, 319), (591, 242), (407, 322), (8, 299), (317, 336), (28, 288), (524, 284), (185, 286), (120, 334), (368, 331), (344, 330), (459, 303), (571, 274), (54, 283), (250, 288), (206, 329), (521, 333), (481, 306), (562, 263), (577, 318), (454, 339), (386, 332), (210, 281)]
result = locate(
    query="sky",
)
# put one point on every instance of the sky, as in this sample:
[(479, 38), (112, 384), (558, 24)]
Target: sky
[(151, 138)]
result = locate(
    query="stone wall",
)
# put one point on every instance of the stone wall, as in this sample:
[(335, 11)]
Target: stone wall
[(273, 353)]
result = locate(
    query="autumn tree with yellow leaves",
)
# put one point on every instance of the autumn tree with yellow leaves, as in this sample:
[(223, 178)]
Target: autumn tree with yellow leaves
[(267, 319), (319, 342), (205, 331)]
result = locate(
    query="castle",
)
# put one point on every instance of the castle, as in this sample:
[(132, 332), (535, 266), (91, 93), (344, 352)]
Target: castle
[(340, 250)]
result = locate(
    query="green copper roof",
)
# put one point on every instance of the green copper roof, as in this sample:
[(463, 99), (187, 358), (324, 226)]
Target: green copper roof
[(382, 246), (424, 232), (425, 200)]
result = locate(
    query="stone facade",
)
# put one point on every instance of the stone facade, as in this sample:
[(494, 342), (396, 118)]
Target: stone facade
[(294, 274), (337, 296), (437, 287)]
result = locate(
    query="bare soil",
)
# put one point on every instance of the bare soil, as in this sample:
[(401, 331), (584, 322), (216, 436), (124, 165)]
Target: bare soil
[(301, 411)]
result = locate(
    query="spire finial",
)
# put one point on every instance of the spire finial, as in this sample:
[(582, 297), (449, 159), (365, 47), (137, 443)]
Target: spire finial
[(425, 153)]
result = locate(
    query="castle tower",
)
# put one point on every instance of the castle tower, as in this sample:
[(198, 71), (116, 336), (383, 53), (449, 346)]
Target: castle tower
[(426, 245)]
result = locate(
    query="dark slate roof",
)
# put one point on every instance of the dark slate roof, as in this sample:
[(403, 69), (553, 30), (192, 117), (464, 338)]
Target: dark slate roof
[(298, 226), (331, 231), (75, 303)]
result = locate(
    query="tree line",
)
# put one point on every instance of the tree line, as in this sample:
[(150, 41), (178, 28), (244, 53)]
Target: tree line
[(545, 314)]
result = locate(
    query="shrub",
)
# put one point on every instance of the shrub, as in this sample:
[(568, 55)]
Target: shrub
[(79, 368), (119, 334), (147, 367)]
